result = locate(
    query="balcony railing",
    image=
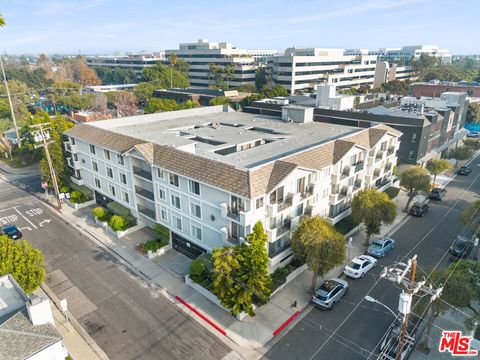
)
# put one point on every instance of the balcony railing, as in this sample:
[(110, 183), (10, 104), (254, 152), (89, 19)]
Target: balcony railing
[(391, 150), (388, 166), (287, 202), (308, 191), (233, 214), (346, 172), (287, 225), (308, 211), (146, 211), (145, 193), (233, 240), (357, 184), (142, 173), (379, 155), (359, 166), (376, 173)]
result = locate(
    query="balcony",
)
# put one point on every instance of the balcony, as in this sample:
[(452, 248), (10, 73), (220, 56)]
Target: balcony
[(147, 212), (286, 203), (69, 147), (308, 211), (357, 184), (379, 155), (346, 172), (145, 174), (391, 150), (144, 193), (388, 166), (77, 180), (376, 173), (308, 191), (234, 240), (287, 225), (233, 214), (359, 166)]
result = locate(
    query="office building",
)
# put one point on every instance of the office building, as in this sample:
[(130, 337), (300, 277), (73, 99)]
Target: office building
[(387, 71), (435, 88), (201, 54), (210, 173), (405, 54), (201, 95)]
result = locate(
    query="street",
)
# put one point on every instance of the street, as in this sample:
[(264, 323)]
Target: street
[(126, 318), (354, 328)]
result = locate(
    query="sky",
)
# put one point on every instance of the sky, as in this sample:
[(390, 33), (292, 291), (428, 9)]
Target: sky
[(118, 26)]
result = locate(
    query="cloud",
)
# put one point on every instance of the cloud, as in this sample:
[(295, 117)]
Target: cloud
[(359, 7), (52, 8)]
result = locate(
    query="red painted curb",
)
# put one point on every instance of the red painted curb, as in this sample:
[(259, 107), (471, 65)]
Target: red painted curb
[(215, 326), (289, 320)]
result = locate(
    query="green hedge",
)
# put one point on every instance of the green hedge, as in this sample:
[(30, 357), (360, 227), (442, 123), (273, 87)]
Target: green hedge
[(118, 223), (392, 192), (86, 192), (162, 233), (345, 225), (118, 209)]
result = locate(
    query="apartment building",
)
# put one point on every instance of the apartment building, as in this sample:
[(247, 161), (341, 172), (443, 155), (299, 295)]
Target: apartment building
[(209, 174), (301, 69), (387, 71), (132, 62), (199, 55)]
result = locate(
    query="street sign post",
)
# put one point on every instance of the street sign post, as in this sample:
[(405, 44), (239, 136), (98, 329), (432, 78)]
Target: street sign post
[(45, 186)]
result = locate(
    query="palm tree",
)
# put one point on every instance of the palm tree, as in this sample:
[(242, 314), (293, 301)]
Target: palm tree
[(172, 59), (2, 20)]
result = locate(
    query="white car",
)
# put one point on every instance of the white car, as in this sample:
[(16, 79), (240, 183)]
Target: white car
[(359, 266)]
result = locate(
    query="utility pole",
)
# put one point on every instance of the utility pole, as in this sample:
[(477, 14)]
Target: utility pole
[(10, 103), (42, 136), (397, 274)]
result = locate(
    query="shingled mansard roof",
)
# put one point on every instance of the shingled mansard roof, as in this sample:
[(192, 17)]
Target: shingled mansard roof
[(249, 183)]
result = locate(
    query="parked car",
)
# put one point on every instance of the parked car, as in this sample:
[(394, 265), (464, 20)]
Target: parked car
[(473, 134), (419, 209), (464, 170), (329, 293), (381, 246), (461, 247), (437, 194), (11, 231), (359, 266)]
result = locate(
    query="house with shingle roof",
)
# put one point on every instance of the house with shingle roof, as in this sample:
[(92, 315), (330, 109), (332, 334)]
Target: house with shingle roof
[(27, 331), (208, 174)]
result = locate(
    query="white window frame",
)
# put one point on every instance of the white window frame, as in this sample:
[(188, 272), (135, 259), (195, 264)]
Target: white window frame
[(191, 187), (174, 223), (123, 176), (173, 203), (173, 177), (125, 197), (193, 213), (92, 149), (94, 166), (161, 190), (120, 159), (195, 231), (111, 170), (106, 154), (110, 188), (98, 184), (161, 174)]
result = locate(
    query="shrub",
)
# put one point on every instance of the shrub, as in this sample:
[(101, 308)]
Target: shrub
[(87, 193), (162, 233), (201, 270), (118, 209), (118, 223), (100, 213), (64, 189), (346, 224), (472, 144), (392, 192), (461, 153), (197, 270), (279, 277), (77, 197)]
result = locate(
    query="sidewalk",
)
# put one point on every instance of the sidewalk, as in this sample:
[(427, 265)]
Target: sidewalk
[(168, 272), (77, 347)]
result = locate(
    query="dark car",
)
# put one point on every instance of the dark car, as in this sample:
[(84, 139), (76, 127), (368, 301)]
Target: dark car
[(11, 231), (419, 209), (437, 194), (329, 293), (464, 170), (461, 247)]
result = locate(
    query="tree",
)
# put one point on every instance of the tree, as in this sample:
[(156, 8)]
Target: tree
[(260, 78), (473, 144), (6, 146), (144, 90), (125, 103), (317, 242), (461, 153), (157, 105), (161, 76), (415, 180), (460, 289), (24, 262), (229, 73), (471, 214), (240, 273), (78, 71), (220, 100), (215, 76), (2, 20), (21, 98), (437, 166), (473, 113), (172, 59), (373, 208), (248, 88)]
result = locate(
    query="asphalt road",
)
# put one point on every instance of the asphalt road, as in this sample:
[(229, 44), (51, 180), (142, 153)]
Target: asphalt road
[(127, 319), (361, 324)]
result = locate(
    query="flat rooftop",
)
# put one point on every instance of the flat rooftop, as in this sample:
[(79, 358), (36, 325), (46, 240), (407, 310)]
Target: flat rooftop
[(236, 138), (11, 297)]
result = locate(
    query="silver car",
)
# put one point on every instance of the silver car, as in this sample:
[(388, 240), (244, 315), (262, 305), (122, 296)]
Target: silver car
[(329, 293)]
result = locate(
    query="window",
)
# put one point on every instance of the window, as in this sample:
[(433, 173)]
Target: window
[(353, 159), (112, 190), (106, 154), (414, 137), (161, 193), (177, 222), (174, 180), (163, 214), (94, 166), (109, 172), (175, 201), (161, 174), (97, 183), (259, 203), (120, 159), (72, 141), (194, 187), (410, 155), (196, 210), (125, 197), (123, 178), (299, 210), (92, 149), (197, 232)]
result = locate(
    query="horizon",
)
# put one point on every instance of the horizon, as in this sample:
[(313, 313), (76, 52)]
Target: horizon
[(103, 27)]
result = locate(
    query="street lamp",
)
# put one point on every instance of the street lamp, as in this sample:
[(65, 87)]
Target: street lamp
[(372, 300)]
